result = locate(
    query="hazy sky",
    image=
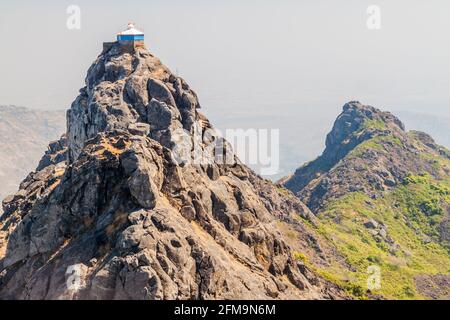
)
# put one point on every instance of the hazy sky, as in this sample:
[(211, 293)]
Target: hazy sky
[(246, 59), (310, 53)]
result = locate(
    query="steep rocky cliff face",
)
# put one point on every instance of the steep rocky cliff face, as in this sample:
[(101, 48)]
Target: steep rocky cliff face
[(114, 210), (382, 195), (368, 151)]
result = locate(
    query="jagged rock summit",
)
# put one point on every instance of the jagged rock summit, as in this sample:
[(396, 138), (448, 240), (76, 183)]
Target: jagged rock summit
[(110, 213), (367, 150), (382, 197)]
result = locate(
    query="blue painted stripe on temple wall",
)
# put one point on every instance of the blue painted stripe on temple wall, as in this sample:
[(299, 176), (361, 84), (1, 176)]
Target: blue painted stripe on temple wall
[(130, 37)]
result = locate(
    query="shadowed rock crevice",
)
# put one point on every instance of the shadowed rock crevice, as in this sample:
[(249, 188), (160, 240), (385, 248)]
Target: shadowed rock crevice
[(380, 195)]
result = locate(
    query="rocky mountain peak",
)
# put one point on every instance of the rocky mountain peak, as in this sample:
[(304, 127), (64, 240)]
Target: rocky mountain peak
[(382, 192), (358, 122), (130, 90), (129, 221)]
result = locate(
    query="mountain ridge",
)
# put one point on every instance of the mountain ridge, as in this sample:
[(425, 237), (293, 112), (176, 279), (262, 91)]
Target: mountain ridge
[(142, 199), (381, 194), (111, 206), (356, 125)]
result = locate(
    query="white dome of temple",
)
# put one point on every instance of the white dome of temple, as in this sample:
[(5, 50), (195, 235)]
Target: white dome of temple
[(131, 30), (130, 34)]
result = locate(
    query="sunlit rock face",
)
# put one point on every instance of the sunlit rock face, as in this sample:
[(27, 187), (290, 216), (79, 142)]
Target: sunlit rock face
[(110, 213)]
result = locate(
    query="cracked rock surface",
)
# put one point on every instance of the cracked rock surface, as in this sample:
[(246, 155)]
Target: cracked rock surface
[(110, 214)]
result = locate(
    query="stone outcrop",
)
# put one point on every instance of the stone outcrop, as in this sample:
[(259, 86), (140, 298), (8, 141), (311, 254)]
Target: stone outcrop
[(349, 163), (381, 195), (111, 213)]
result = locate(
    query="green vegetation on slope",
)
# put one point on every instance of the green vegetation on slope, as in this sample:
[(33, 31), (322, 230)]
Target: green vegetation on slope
[(408, 246), (373, 216), (377, 143)]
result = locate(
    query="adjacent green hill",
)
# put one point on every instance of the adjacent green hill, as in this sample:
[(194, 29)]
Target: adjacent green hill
[(382, 198)]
